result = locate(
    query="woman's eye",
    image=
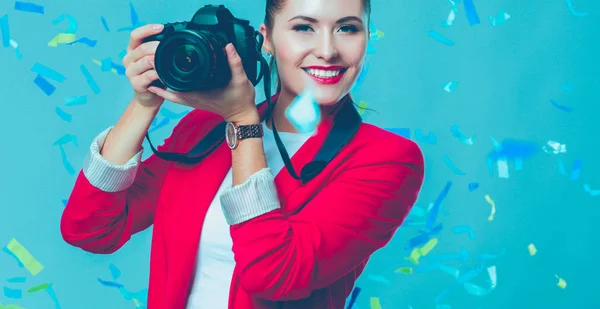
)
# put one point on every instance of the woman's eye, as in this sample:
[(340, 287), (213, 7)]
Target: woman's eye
[(302, 28), (349, 28)]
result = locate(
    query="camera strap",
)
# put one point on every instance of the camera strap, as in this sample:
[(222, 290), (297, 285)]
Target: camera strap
[(346, 122)]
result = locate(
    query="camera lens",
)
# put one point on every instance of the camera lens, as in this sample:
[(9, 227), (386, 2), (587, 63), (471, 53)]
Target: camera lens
[(185, 58)]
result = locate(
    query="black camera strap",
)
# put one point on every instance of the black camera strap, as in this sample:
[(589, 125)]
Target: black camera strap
[(345, 125)]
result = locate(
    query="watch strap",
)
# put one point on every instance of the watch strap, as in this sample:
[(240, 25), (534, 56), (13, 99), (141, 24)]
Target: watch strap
[(250, 131)]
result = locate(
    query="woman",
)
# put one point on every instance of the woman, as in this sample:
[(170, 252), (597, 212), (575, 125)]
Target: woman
[(227, 233)]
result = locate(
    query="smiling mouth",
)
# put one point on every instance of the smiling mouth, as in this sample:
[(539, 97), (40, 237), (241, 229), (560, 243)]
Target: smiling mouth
[(325, 73)]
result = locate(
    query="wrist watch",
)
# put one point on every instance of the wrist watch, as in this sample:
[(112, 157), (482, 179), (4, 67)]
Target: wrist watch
[(235, 133)]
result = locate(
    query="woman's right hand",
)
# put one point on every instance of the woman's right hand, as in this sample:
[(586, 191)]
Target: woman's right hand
[(139, 64)]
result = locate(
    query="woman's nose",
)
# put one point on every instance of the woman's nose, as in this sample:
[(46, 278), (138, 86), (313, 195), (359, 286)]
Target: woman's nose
[(325, 48)]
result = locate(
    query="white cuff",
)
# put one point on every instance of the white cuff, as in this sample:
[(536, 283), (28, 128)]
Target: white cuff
[(253, 198), (107, 176)]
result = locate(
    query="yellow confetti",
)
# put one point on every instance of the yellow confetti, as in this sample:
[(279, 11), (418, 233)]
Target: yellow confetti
[(137, 303), (10, 307), (98, 62), (361, 107), (30, 263), (62, 38), (417, 253), (491, 202), (379, 33), (561, 282), (375, 303), (404, 270), (532, 249)]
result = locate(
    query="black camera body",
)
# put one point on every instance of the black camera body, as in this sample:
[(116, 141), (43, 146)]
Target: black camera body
[(191, 55)]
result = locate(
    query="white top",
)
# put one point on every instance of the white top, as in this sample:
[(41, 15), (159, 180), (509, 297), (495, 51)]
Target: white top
[(215, 263)]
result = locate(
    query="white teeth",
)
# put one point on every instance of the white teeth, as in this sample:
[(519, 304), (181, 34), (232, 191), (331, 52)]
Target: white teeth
[(323, 73)]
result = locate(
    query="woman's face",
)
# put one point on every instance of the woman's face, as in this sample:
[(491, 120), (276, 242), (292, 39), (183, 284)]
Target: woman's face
[(322, 42)]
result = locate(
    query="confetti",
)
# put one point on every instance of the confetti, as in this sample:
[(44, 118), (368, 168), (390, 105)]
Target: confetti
[(352, 299), (65, 139), (561, 282), (576, 169), (104, 23), (499, 19), (575, 13), (63, 115), (304, 112), (452, 15), (450, 86), (103, 65), (9, 306), (553, 147), (590, 191), (431, 138), (157, 125), (62, 38), (5, 30), (473, 186), (375, 304), (13, 293), (464, 229), (16, 280), (40, 287), (481, 291), (440, 38), (437, 205), (378, 278), (24, 257), (404, 270), (471, 12), (452, 167), (114, 271), (66, 164), (29, 7), (561, 107), (109, 284), (361, 107), (71, 22), (417, 253), (90, 80), (47, 72), (457, 133), (15, 45), (532, 250), (76, 100), (44, 85), (493, 204), (87, 41)]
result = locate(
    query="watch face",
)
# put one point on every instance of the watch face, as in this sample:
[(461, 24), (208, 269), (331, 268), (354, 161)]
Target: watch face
[(230, 135)]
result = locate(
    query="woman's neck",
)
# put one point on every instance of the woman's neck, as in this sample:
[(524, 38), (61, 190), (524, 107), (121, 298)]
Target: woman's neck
[(281, 122)]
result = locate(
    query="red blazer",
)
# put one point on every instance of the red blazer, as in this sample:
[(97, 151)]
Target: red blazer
[(284, 259)]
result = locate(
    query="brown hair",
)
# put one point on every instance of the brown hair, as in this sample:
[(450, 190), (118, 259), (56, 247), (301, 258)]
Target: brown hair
[(272, 8)]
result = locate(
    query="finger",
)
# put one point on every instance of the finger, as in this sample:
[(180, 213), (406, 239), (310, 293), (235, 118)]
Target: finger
[(140, 66), (238, 75), (166, 94), (140, 33), (141, 82), (144, 49)]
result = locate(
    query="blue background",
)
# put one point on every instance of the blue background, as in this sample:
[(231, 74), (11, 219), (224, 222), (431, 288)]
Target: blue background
[(506, 77)]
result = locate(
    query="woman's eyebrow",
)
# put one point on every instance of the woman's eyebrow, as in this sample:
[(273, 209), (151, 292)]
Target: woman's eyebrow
[(339, 21)]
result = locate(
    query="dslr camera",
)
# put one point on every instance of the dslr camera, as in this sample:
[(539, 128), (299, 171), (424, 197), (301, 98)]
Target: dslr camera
[(191, 55)]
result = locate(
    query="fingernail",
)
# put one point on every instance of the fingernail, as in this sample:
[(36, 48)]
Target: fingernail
[(157, 27), (231, 50)]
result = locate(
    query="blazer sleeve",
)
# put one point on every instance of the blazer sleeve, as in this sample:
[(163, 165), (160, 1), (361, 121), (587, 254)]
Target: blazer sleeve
[(288, 257), (109, 203)]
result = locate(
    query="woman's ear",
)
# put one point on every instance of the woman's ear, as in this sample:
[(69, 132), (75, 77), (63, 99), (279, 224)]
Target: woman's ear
[(267, 48)]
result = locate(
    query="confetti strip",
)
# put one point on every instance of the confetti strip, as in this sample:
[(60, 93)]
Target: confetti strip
[(40, 287), (491, 202), (65, 161), (76, 100), (62, 38), (375, 304), (591, 191), (29, 7), (450, 86), (532, 250), (24, 257), (453, 167), (471, 12), (430, 138), (90, 80), (440, 38), (5, 30), (63, 115), (451, 16), (499, 19), (47, 72), (575, 13), (561, 282), (404, 270), (457, 133), (44, 85), (561, 107), (104, 23)]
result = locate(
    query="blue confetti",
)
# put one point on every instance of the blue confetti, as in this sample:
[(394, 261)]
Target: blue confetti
[(64, 202), (452, 167), (440, 38), (84, 40), (165, 121), (471, 12), (404, 132), (561, 107), (47, 72), (109, 283), (114, 271), (5, 29), (5, 249), (45, 85), (511, 149), (464, 229), (76, 100), (576, 169), (104, 23), (29, 7), (135, 21), (575, 13), (13, 293), (437, 205), (52, 294), (431, 138), (72, 28), (16, 280), (66, 163), (456, 132), (90, 80), (65, 139), (473, 186), (63, 115), (353, 296)]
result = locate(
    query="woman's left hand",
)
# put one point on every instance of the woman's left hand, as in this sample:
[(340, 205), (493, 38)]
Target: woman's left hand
[(234, 101)]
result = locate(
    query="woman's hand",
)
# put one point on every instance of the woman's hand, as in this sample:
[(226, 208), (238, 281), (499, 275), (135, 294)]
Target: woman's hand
[(139, 64), (233, 102)]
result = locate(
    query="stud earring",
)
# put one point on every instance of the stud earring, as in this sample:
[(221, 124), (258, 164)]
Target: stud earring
[(269, 55)]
